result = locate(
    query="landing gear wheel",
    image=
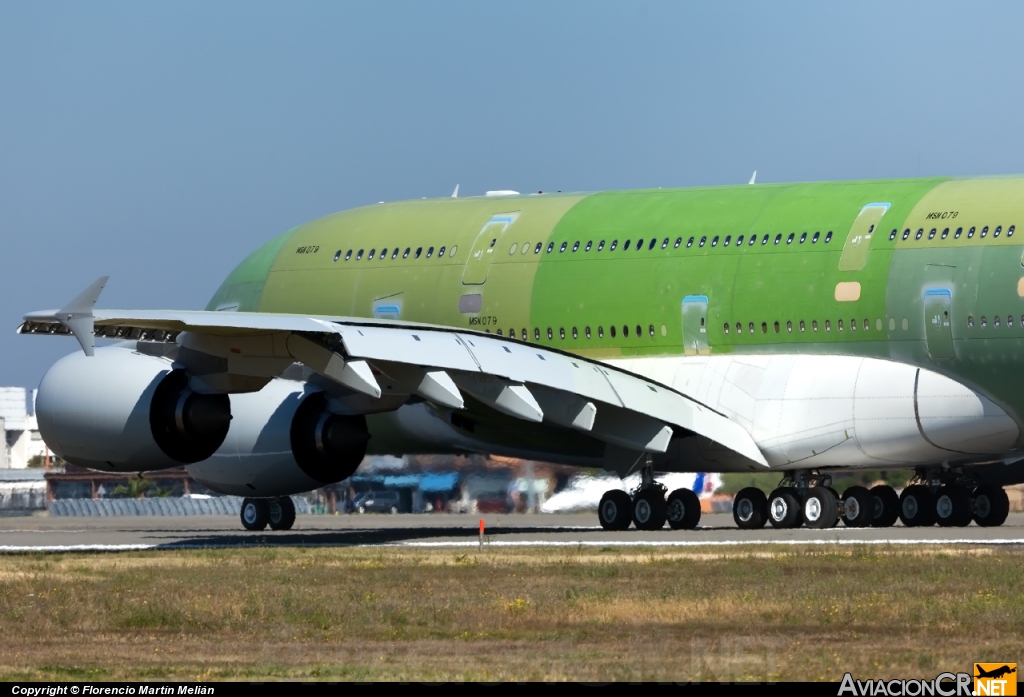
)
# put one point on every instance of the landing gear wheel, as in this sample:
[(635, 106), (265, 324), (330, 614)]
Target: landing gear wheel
[(821, 510), (887, 506), (255, 514), (683, 510), (952, 506), (650, 509), (858, 507), (281, 513), (614, 511), (991, 506), (917, 506), (784, 509), (750, 509)]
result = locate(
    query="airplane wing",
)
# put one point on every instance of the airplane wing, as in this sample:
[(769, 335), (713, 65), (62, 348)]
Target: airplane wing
[(439, 364)]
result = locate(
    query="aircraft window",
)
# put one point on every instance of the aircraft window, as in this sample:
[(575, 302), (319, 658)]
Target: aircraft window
[(586, 330), (551, 247), (525, 335), (931, 233), (1009, 230), (764, 327), (536, 250), (664, 243), (575, 246), (750, 327), (575, 334), (600, 245), (370, 255), (649, 246), (892, 235), (561, 333), (753, 239), (906, 233), (639, 244), (995, 233), (650, 330), (920, 233), (739, 240), (702, 241), (337, 255), (625, 246), (828, 237), (867, 325), (945, 233), (562, 248), (679, 241), (612, 330), (840, 325), (778, 238), (550, 335), (814, 325), (589, 245), (714, 242), (959, 231), (407, 250), (984, 231), (789, 240), (1009, 320), (853, 325), (615, 243), (440, 252), (970, 233), (625, 330), (430, 251), (803, 327), (536, 333), (765, 240), (499, 332), (359, 255), (776, 326), (739, 328), (383, 253), (828, 326), (348, 255), (995, 321), (512, 333), (789, 326), (970, 322), (984, 322), (640, 332), (513, 248), (728, 239), (803, 238), (525, 248), (689, 243), (600, 332), (419, 250), (493, 241), (451, 252), (726, 327)]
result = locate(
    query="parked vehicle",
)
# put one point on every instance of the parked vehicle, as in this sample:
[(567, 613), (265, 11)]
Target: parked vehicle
[(377, 502)]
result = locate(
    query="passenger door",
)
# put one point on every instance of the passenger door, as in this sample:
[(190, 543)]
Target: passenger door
[(858, 242), (482, 252), (695, 325), (938, 309)]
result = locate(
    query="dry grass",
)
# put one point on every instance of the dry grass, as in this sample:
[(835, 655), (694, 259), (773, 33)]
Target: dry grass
[(513, 614)]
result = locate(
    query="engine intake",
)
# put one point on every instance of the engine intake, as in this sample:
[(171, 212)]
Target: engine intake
[(187, 425)]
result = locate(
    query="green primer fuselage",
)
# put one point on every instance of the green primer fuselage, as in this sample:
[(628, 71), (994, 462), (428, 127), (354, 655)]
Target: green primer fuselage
[(937, 299)]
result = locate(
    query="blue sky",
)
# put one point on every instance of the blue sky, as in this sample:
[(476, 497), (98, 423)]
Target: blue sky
[(160, 142)]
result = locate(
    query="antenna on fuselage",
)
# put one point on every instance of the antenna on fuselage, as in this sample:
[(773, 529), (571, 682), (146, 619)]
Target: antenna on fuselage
[(753, 178), (455, 194)]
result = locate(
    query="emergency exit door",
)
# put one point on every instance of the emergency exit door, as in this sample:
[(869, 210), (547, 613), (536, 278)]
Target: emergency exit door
[(938, 326)]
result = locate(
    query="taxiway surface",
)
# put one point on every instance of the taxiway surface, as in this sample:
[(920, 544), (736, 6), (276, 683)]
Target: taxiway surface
[(59, 534)]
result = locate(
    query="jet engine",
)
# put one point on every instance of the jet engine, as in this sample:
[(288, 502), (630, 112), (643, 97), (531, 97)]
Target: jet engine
[(284, 439), (127, 412)]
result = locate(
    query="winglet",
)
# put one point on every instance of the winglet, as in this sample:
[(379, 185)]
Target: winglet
[(77, 315), (455, 194), (753, 178)]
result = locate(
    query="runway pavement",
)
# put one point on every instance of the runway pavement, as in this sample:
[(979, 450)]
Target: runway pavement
[(66, 534)]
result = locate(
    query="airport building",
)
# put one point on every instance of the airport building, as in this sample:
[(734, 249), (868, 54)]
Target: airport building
[(22, 442)]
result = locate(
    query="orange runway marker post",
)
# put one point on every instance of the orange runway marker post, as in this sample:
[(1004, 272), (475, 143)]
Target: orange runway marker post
[(481, 534)]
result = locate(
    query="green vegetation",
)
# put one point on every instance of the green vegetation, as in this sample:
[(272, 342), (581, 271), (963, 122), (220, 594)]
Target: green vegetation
[(525, 614)]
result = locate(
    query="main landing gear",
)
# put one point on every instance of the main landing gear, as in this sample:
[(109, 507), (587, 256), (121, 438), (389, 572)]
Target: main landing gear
[(950, 499), (648, 507), (278, 513)]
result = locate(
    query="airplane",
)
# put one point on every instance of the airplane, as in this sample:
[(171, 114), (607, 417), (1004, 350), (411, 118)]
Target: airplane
[(995, 673), (798, 329)]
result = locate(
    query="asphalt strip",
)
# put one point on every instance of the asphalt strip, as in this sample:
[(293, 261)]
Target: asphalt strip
[(61, 549)]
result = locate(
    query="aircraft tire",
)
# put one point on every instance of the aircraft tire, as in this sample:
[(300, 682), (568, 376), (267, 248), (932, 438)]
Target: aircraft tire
[(784, 510), (281, 513), (750, 509), (650, 509), (615, 510), (991, 506), (858, 507), (887, 506), (255, 514), (952, 506), (917, 506), (820, 509), (683, 510)]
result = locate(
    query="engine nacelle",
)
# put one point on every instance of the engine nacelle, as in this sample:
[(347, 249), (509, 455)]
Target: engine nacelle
[(127, 412), (284, 440)]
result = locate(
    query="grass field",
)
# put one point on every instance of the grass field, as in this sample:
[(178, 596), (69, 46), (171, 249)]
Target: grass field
[(511, 614)]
